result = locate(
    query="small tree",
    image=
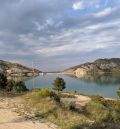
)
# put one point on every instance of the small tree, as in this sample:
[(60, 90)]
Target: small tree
[(3, 81), (59, 84)]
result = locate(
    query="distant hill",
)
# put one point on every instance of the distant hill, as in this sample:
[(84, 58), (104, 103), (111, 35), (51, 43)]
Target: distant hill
[(99, 66), (17, 69)]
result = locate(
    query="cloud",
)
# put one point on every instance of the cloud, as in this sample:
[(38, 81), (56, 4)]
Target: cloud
[(78, 5), (67, 31), (104, 13)]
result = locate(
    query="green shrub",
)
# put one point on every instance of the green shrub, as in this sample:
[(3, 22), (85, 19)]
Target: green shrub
[(54, 96), (94, 106), (44, 93)]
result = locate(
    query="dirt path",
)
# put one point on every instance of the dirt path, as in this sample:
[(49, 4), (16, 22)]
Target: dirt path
[(82, 100), (9, 119), (79, 99)]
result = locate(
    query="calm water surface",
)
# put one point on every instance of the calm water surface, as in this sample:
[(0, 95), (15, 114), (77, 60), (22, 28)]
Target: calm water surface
[(106, 85)]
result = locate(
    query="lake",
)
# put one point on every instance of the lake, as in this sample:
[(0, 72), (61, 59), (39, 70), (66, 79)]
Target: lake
[(104, 85)]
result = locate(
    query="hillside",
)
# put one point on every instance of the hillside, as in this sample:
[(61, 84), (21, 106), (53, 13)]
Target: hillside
[(99, 66), (16, 69)]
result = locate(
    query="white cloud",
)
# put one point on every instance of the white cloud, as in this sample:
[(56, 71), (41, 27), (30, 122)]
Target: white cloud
[(86, 4), (104, 13), (78, 5)]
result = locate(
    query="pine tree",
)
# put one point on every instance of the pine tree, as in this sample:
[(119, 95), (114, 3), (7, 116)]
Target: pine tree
[(59, 84)]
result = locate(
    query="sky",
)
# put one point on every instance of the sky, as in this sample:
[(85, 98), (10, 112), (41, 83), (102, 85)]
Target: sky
[(58, 34)]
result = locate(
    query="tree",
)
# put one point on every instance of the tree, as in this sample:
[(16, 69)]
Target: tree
[(16, 86), (20, 87), (10, 85), (59, 84), (3, 81)]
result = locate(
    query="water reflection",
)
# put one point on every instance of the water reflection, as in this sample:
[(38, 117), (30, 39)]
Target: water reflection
[(104, 79), (15, 78)]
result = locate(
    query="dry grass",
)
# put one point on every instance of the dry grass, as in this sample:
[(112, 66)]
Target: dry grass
[(48, 110)]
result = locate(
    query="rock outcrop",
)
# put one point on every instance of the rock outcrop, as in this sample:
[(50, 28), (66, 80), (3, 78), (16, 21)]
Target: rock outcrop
[(99, 66), (15, 69)]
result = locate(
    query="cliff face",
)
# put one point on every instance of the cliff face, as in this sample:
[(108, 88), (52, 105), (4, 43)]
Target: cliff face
[(16, 69), (99, 66)]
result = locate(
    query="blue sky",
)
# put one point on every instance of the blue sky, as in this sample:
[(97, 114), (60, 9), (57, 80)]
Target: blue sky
[(58, 34)]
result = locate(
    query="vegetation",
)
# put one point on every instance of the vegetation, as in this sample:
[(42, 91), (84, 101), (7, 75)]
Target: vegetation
[(46, 109), (118, 92), (97, 114), (19, 87), (11, 85), (45, 92), (59, 84), (3, 81)]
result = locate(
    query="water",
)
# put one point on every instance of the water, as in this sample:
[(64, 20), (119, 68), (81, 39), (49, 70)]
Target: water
[(105, 85)]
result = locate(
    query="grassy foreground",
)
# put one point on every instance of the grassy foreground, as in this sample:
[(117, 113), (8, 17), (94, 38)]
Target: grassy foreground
[(96, 114)]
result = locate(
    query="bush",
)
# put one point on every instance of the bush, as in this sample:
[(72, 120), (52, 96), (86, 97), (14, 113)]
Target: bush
[(44, 93), (10, 85), (19, 87), (54, 96), (72, 105)]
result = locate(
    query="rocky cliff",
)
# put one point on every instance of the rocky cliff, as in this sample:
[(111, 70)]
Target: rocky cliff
[(99, 66), (16, 69)]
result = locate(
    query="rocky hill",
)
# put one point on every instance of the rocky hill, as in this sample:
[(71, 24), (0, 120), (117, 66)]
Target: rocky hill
[(99, 66), (16, 69)]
